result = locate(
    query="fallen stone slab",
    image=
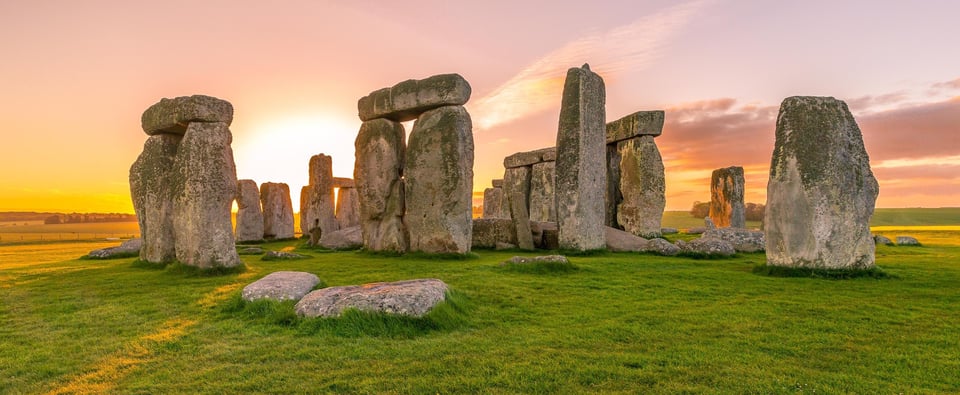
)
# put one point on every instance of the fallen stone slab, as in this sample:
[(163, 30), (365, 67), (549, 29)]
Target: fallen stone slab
[(669, 231), (174, 115), (662, 247), (412, 297), (344, 239), (281, 286), (251, 251), (407, 100), (882, 240), (709, 247), (621, 241), (742, 240), (520, 260), (907, 241), (126, 249), (281, 255)]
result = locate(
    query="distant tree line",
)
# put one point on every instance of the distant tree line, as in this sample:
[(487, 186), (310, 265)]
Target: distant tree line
[(88, 218), (752, 211)]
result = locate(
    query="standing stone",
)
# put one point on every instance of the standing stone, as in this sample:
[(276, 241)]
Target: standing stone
[(642, 186), (516, 183), (613, 196), (726, 198), (348, 208), (249, 215), (492, 197), (543, 206), (378, 167), (206, 182), (439, 181), (581, 162), (277, 210), (821, 192), (308, 213), (151, 188), (322, 198)]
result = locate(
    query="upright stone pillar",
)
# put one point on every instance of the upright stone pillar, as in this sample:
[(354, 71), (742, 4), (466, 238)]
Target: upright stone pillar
[(205, 166), (492, 198), (516, 182), (322, 198), (581, 162), (151, 187), (348, 208), (642, 187), (277, 210), (726, 198), (543, 205), (821, 193), (309, 218), (439, 181), (377, 172), (249, 214)]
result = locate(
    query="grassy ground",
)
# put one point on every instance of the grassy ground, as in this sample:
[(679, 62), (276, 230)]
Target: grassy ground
[(619, 323)]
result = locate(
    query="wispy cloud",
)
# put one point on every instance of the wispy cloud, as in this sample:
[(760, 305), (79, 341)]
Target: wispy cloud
[(538, 86)]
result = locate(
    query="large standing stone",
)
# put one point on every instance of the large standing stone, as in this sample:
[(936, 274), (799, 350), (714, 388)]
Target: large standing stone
[(277, 210), (492, 199), (411, 98), (642, 186), (249, 215), (206, 178), (308, 213), (152, 189), (439, 181), (322, 199), (821, 192), (543, 206), (613, 196), (726, 198), (174, 115), (348, 208), (516, 184), (379, 164), (581, 161)]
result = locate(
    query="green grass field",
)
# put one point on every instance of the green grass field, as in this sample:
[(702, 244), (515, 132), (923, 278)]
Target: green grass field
[(621, 323)]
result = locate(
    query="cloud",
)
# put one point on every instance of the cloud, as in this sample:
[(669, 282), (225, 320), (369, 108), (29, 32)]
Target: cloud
[(950, 85), (537, 87)]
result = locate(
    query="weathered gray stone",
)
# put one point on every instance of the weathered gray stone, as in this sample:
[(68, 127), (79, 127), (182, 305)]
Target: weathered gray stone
[(907, 241), (488, 232), (281, 256), (543, 205), (151, 188), (492, 200), (669, 231), (413, 298), (174, 115), (380, 151), (277, 210), (411, 98), (642, 186), (308, 212), (707, 246), (821, 191), (343, 182), (708, 223), (726, 198), (581, 161), (696, 231), (613, 196), (883, 240), (205, 179), (620, 241), (281, 286), (524, 260), (530, 157), (662, 247), (640, 123), (249, 215), (348, 208), (742, 240), (125, 249), (516, 182), (350, 238), (251, 251), (439, 181), (322, 199), (504, 246), (497, 183)]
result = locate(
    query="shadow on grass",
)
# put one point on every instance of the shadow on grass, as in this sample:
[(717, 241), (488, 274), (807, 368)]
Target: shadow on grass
[(448, 315), (830, 274), (120, 255), (179, 269), (540, 267), (419, 255)]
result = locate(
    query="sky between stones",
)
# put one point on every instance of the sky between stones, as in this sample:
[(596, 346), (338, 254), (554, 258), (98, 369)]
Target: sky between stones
[(77, 76)]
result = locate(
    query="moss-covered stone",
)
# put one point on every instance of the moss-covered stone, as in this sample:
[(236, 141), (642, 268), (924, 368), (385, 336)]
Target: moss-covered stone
[(640, 123), (408, 99), (642, 187), (380, 154), (821, 193), (152, 181), (174, 115)]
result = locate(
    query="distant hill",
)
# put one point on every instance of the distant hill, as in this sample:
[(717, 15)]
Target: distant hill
[(61, 218)]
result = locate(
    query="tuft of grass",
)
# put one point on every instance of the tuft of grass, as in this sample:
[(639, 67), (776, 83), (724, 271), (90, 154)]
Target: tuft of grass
[(832, 274), (121, 255), (540, 267)]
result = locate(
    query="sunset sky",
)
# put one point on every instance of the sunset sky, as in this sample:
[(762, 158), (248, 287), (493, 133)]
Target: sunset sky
[(77, 75)]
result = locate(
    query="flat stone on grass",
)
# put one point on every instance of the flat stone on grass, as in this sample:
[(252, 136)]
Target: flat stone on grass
[(281, 286), (412, 298)]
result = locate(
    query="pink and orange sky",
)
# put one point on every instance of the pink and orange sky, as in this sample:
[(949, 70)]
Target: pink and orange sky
[(77, 76)]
